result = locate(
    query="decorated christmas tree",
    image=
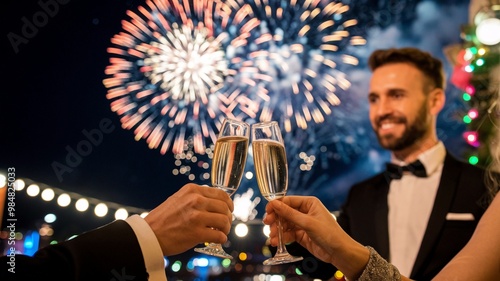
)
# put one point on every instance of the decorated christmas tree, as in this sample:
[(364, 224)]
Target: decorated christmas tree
[(477, 73)]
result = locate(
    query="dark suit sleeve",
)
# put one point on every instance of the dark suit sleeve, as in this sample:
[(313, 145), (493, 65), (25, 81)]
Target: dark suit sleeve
[(110, 252), (343, 217)]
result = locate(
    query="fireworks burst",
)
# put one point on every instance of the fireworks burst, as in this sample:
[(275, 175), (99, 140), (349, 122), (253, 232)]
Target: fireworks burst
[(178, 68), (302, 52), (320, 150), (244, 205)]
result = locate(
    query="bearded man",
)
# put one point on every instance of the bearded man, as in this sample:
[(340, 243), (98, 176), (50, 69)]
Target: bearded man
[(421, 211)]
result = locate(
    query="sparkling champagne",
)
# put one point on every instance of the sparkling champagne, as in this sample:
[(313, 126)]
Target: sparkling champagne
[(228, 163), (270, 168)]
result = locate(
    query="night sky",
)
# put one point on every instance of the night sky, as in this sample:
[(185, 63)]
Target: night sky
[(53, 98)]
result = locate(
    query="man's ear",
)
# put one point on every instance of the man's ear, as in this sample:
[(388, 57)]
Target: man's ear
[(437, 100)]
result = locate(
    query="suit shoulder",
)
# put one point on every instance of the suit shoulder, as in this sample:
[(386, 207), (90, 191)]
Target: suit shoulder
[(371, 182), (466, 169), (373, 179), (452, 159)]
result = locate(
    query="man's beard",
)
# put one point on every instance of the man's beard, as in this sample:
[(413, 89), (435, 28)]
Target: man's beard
[(412, 133)]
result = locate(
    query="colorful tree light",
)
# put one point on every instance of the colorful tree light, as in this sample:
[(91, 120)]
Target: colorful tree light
[(473, 113), (471, 138)]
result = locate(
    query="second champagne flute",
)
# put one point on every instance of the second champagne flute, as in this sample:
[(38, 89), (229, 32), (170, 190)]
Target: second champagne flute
[(271, 170), (228, 165)]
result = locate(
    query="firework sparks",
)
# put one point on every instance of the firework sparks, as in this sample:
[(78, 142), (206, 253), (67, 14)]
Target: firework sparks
[(244, 205), (315, 152), (299, 51), (195, 166), (178, 68)]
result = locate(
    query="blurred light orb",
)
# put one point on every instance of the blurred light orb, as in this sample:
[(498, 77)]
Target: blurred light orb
[(50, 218), (241, 230), (101, 210), (200, 262), (82, 204), (243, 256), (48, 194), (19, 184), (33, 190), (121, 214), (277, 278), (46, 230), (266, 230), (63, 200), (176, 266), (488, 31), (249, 175)]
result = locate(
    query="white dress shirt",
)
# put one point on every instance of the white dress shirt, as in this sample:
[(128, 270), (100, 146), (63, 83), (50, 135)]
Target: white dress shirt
[(410, 201), (150, 247)]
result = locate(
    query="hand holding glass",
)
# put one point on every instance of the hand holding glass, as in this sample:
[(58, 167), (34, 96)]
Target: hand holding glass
[(228, 165), (271, 170)]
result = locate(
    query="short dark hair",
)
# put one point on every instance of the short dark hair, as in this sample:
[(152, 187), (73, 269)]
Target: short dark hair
[(431, 67)]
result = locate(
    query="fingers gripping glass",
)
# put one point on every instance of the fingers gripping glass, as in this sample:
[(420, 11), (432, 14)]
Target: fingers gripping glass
[(228, 165), (271, 170)]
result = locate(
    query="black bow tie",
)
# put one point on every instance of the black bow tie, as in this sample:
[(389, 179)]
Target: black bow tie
[(396, 172)]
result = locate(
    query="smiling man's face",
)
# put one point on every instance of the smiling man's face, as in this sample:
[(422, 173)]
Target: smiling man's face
[(399, 110)]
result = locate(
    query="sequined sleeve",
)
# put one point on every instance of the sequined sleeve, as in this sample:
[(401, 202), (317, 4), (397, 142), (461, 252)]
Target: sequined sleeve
[(378, 269)]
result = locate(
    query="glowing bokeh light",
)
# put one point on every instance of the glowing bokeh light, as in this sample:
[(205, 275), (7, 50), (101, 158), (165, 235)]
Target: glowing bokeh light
[(101, 210), (82, 204), (19, 184), (50, 218), (176, 266), (48, 194), (244, 205), (266, 230), (121, 214), (226, 263), (487, 31), (33, 190), (241, 230), (243, 256), (473, 113), (63, 200), (473, 160)]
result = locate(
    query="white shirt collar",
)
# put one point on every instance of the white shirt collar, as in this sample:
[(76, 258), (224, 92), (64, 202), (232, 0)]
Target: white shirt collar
[(432, 158)]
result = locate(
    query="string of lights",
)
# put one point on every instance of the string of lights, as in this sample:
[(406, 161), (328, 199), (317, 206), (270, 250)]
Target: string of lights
[(245, 203), (65, 198)]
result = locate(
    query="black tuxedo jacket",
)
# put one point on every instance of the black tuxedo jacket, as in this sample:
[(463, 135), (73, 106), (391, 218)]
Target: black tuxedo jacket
[(461, 190), (111, 252)]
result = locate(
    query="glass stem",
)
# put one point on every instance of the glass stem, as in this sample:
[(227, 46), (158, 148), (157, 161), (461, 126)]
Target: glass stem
[(281, 246)]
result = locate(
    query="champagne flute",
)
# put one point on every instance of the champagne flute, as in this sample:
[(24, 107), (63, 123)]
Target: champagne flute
[(271, 170), (228, 165)]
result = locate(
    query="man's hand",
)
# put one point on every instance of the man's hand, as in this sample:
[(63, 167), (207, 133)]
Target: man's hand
[(193, 215)]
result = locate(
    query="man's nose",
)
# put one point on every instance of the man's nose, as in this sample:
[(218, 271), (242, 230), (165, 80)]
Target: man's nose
[(383, 108)]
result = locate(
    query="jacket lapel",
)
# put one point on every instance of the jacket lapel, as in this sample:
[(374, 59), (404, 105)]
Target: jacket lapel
[(381, 217), (445, 193)]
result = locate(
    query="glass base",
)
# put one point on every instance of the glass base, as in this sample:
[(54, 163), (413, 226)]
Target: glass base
[(281, 259), (214, 250)]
